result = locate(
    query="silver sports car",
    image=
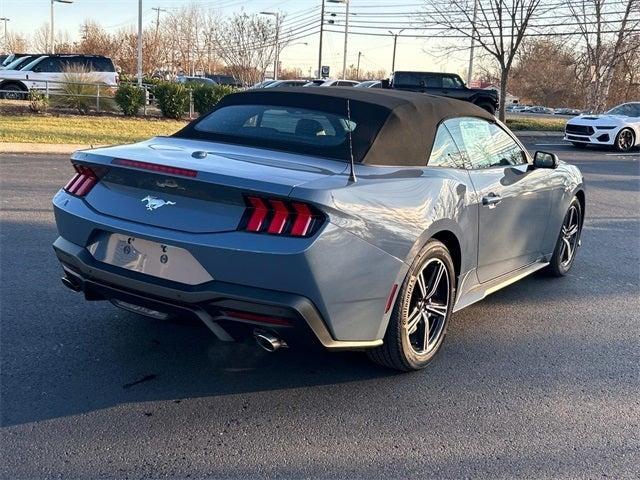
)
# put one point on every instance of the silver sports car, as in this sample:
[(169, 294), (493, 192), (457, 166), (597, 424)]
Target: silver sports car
[(350, 218)]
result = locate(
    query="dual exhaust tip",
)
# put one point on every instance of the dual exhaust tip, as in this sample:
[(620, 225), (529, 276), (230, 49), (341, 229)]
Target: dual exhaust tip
[(268, 341)]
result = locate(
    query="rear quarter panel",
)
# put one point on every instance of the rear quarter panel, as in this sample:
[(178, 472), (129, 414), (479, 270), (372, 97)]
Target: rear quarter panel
[(399, 209)]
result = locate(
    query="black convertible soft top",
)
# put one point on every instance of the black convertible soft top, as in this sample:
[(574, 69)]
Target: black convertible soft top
[(395, 128)]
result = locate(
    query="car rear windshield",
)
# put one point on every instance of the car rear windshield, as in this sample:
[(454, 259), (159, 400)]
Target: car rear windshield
[(290, 128)]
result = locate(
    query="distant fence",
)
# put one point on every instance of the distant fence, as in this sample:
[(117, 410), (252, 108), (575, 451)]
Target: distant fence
[(58, 88)]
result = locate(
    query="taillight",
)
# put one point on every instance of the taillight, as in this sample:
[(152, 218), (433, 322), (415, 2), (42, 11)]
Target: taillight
[(280, 217), (82, 182)]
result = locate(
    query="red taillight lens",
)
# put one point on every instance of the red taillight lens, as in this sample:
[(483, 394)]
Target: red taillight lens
[(154, 167), (280, 217), (82, 182)]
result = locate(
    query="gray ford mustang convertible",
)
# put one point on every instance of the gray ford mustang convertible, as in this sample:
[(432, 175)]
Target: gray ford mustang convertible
[(350, 218)]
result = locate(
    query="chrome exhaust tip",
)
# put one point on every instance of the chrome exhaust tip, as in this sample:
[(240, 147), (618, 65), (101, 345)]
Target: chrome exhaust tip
[(71, 283), (268, 341)]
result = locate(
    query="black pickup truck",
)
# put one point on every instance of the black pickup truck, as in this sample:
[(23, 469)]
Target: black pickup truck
[(444, 84)]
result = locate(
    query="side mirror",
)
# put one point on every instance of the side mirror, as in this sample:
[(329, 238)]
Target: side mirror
[(545, 160)]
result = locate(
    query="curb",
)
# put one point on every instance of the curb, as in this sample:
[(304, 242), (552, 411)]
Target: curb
[(43, 148)]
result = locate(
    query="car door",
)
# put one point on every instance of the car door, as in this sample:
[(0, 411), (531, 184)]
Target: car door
[(513, 200), (46, 74), (453, 87)]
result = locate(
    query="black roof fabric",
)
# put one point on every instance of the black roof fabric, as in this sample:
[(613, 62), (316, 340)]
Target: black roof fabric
[(407, 121)]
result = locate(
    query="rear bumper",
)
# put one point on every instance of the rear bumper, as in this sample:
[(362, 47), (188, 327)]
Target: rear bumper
[(212, 302)]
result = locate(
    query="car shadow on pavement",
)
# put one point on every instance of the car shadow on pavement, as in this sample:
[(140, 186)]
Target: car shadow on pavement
[(63, 356)]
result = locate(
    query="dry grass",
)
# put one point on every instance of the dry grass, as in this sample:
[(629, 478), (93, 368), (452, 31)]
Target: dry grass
[(81, 129), (537, 124)]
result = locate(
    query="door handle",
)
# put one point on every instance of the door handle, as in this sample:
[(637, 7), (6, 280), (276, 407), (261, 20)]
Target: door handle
[(491, 200)]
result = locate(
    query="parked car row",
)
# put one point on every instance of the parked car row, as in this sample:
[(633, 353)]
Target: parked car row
[(519, 108)]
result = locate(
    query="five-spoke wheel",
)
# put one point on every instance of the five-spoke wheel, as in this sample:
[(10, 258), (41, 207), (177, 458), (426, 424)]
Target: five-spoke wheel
[(568, 240), (429, 306), (418, 322)]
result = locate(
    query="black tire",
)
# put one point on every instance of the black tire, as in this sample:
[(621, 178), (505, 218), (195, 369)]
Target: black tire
[(559, 265), (488, 107), (13, 91), (625, 140), (397, 351), (579, 145)]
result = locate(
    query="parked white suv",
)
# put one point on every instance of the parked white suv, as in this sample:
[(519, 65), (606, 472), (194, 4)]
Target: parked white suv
[(48, 72)]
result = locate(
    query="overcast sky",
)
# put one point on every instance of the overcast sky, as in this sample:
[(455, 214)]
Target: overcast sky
[(412, 53)]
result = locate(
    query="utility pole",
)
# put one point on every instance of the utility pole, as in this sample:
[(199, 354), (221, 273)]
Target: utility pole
[(346, 37), (319, 75), (140, 43), (158, 11), (473, 38), (6, 38), (276, 62), (358, 67), (395, 43)]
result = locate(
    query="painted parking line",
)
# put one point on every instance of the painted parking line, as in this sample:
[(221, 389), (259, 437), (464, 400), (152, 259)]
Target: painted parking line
[(552, 144), (621, 154)]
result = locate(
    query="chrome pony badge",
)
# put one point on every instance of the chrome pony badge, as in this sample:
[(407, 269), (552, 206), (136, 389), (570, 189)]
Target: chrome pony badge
[(154, 203)]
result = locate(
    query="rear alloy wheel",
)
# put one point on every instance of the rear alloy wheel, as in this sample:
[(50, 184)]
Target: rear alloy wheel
[(417, 326), (568, 241), (625, 140)]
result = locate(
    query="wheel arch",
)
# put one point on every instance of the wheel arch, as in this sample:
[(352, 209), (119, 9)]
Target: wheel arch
[(18, 83), (449, 239)]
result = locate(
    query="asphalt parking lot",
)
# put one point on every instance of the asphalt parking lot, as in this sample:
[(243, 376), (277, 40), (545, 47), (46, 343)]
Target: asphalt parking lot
[(542, 379)]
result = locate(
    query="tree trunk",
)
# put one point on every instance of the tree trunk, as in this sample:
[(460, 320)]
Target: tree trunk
[(504, 75)]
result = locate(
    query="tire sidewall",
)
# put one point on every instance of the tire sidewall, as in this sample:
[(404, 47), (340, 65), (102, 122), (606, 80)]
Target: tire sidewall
[(433, 249)]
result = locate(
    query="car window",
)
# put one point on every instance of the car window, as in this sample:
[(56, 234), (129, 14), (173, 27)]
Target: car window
[(417, 79), (445, 153), (48, 65), (626, 109), (485, 144), (451, 82), (101, 64)]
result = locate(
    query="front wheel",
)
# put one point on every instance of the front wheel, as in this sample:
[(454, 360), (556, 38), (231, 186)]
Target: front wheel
[(625, 140), (12, 92), (417, 326), (568, 241)]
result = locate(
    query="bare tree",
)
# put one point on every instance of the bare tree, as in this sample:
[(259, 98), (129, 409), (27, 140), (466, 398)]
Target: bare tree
[(498, 29), (17, 43), (246, 45), (607, 40), (41, 39)]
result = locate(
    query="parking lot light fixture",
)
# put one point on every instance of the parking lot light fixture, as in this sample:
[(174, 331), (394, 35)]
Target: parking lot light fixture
[(52, 47)]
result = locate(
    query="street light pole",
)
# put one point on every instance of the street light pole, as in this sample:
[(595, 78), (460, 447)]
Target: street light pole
[(139, 43), (6, 38), (52, 48), (473, 38), (395, 43), (358, 67)]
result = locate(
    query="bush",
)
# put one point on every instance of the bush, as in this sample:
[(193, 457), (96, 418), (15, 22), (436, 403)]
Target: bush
[(172, 99), (79, 91), (38, 102), (130, 98), (205, 97)]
